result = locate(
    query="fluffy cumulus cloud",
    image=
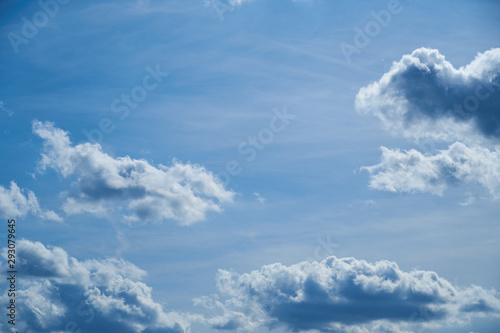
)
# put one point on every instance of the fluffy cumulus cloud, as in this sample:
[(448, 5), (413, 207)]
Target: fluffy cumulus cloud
[(58, 293), (424, 97), (410, 171), (345, 295), (134, 187), (16, 202)]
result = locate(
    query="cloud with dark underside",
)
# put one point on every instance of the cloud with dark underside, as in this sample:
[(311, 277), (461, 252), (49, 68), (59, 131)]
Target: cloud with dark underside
[(58, 293), (140, 191), (424, 97), (345, 295)]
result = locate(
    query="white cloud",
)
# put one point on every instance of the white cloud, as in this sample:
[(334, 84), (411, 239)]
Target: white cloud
[(237, 3), (141, 191), (412, 171), (59, 293), (259, 198), (10, 113), (345, 295), (14, 203), (423, 97)]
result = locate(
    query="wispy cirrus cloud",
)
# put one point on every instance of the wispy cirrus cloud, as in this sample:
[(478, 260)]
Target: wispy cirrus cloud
[(345, 295), (142, 192), (3, 108), (423, 97)]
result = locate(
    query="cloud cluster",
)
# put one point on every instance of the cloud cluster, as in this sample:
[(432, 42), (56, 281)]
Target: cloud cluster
[(14, 203), (345, 295), (423, 97), (58, 293), (141, 191)]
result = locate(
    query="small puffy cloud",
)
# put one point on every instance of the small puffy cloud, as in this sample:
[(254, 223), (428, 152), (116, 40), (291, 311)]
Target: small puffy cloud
[(345, 295), (16, 202), (412, 171), (58, 293), (423, 97), (259, 198), (134, 187)]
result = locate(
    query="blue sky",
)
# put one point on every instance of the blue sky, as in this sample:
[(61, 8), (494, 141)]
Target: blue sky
[(141, 189)]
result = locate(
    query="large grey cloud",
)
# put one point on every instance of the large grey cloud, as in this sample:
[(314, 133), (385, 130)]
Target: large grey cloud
[(58, 293), (345, 295), (134, 187), (424, 97), (16, 202)]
